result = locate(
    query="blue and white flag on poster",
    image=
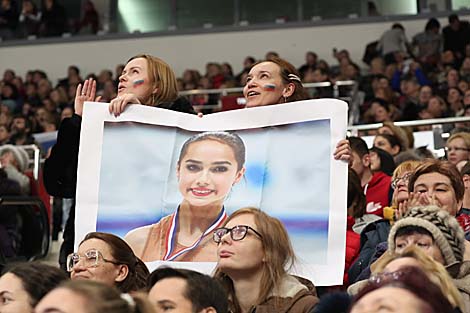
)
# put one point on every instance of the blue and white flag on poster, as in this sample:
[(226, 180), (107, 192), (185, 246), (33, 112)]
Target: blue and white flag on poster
[(128, 177)]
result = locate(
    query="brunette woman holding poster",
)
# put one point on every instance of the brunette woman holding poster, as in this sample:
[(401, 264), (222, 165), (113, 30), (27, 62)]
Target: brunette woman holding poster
[(276, 81), (145, 80), (209, 164)]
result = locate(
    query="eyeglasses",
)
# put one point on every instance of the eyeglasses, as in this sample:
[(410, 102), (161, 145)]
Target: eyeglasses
[(91, 258), (405, 179), (386, 276), (449, 149), (236, 233)]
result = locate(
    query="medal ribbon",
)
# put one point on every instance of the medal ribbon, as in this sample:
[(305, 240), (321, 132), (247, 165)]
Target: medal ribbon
[(171, 235)]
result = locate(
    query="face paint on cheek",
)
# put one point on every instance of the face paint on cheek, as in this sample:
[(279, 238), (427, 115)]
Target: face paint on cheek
[(269, 87), (137, 82)]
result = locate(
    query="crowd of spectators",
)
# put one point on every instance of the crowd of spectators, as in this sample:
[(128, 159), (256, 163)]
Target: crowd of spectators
[(425, 82), (408, 216), (25, 20)]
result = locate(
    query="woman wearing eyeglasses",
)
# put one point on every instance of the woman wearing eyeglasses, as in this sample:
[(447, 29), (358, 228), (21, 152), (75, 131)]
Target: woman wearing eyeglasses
[(254, 253), (108, 259), (458, 148)]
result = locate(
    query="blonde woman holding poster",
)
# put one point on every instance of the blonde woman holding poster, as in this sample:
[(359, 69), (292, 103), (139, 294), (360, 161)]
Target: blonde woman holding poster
[(209, 164), (145, 80)]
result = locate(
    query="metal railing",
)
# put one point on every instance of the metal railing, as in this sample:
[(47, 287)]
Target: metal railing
[(36, 161), (352, 98), (33, 225), (435, 121), (226, 91), (439, 135)]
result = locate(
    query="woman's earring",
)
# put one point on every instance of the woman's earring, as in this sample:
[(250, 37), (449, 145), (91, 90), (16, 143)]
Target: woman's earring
[(285, 99)]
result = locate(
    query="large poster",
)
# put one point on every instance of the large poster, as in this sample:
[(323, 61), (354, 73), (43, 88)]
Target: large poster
[(140, 171)]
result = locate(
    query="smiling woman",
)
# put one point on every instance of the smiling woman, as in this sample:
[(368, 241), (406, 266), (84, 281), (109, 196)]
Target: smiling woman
[(209, 165)]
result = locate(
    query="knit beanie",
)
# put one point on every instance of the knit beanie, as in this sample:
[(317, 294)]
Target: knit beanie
[(445, 230), (20, 155)]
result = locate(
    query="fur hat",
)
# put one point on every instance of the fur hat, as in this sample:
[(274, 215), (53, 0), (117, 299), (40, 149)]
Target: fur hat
[(445, 230), (20, 155)]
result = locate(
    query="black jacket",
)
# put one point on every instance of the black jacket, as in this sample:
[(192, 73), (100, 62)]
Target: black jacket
[(371, 236)]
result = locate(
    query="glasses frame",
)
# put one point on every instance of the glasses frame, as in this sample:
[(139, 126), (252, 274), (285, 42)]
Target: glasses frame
[(447, 149), (218, 239), (405, 177), (99, 257), (386, 276)]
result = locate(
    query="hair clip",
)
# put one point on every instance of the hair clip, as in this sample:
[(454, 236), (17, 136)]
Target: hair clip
[(128, 298), (294, 77)]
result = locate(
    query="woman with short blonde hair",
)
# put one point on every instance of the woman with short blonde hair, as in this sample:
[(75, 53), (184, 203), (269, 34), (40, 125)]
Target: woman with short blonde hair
[(458, 147)]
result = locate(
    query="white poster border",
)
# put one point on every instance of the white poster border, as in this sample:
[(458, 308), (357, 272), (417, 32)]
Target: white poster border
[(88, 176)]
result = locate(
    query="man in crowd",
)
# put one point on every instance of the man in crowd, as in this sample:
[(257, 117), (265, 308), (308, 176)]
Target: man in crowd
[(185, 291)]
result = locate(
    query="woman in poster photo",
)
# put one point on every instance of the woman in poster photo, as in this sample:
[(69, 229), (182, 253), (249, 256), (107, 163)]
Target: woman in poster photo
[(209, 164)]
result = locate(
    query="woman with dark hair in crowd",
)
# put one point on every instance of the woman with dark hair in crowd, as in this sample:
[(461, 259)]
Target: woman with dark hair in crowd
[(209, 165), (191, 79), (408, 290), (90, 22), (28, 19), (254, 254), (145, 80), (23, 285), (108, 259), (381, 111), (454, 99), (389, 143), (53, 19), (92, 297), (381, 160)]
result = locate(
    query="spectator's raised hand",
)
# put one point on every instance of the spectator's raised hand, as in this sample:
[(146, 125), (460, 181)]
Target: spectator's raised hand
[(343, 151), (401, 210), (87, 92)]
